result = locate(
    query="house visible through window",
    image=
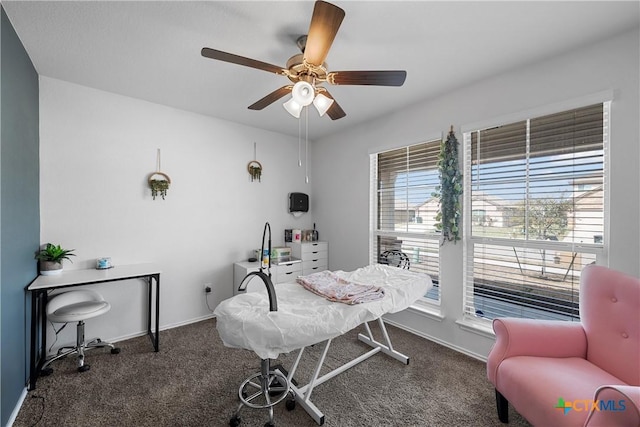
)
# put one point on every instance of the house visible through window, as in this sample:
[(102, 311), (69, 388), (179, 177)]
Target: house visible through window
[(534, 213), (403, 210)]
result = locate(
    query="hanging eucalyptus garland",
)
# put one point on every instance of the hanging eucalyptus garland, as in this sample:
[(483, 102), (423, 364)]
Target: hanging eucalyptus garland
[(449, 191)]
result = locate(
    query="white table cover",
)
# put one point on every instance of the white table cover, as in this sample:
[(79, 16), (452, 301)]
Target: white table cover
[(304, 318)]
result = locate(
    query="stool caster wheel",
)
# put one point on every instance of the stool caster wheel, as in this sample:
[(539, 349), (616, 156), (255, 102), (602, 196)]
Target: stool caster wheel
[(269, 424), (84, 368), (290, 404), (234, 421), (115, 350), (46, 372)]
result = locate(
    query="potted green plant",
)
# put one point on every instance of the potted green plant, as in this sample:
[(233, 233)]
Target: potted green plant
[(50, 258)]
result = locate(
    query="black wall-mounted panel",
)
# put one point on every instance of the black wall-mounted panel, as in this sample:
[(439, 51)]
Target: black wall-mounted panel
[(298, 202)]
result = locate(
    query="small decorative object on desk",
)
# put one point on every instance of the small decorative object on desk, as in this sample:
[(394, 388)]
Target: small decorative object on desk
[(103, 263), (307, 235), (50, 258)]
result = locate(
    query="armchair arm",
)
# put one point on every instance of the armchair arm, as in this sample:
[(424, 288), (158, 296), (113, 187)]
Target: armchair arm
[(528, 337), (620, 407)]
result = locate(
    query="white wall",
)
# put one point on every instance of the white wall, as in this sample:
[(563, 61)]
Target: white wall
[(342, 196), (96, 152)]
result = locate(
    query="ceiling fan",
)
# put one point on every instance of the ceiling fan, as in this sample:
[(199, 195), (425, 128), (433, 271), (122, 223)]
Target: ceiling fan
[(308, 71)]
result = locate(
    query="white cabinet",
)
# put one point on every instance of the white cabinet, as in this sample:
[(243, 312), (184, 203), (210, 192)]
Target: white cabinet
[(281, 273), (314, 256)]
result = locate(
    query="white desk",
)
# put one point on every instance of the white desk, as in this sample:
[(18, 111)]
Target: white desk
[(40, 287)]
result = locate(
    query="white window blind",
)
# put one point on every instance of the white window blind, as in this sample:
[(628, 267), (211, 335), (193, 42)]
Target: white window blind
[(534, 213), (403, 210)]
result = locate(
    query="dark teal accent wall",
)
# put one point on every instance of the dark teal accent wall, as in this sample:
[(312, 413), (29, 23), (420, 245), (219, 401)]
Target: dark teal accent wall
[(19, 210)]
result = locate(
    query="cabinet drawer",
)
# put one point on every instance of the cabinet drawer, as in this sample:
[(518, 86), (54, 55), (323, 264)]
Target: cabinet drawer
[(311, 270), (313, 247), (315, 256), (315, 265), (288, 272)]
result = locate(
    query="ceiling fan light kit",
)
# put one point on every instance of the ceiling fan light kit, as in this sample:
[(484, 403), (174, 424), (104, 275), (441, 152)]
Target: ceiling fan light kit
[(302, 93), (322, 103), (293, 108), (308, 71)]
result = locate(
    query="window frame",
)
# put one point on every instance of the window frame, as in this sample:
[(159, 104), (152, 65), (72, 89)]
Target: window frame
[(470, 319), (430, 304)]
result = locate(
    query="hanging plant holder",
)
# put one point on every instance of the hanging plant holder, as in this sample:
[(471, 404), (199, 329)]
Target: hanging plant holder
[(159, 186), (254, 167), (255, 170), (159, 182)]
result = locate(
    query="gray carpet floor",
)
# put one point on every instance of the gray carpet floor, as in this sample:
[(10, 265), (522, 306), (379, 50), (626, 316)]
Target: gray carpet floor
[(193, 381)]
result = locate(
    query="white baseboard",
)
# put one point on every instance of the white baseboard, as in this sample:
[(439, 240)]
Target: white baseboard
[(438, 340), (16, 410)]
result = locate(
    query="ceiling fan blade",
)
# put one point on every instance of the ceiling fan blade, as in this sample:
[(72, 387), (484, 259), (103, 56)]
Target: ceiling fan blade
[(271, 98), (241, 60), (373, 78), (324, 26), (335, 112)]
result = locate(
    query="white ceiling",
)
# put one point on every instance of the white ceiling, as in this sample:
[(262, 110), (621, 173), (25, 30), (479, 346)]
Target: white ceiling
[(151, 49)]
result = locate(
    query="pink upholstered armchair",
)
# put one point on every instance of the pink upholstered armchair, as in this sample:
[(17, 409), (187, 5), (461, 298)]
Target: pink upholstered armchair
[(557, 373)]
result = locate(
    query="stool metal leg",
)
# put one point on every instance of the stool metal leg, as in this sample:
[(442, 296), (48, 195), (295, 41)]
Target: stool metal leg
[(262, 390), (79, 349)]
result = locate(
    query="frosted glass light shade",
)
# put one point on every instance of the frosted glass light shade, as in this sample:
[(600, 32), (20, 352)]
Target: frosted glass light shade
[(293, 108), (303, 93), (322, 103)]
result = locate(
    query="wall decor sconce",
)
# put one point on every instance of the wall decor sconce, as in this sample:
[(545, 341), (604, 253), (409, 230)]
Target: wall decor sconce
[(161, 184)]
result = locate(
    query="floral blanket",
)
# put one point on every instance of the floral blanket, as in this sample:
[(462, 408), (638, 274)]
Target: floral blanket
[(332, 287)]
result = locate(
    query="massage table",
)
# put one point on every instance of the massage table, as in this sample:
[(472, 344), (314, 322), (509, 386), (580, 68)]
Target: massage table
[(302, 318)]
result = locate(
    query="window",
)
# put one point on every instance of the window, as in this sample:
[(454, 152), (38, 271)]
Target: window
[(534, 213), (403, 210)]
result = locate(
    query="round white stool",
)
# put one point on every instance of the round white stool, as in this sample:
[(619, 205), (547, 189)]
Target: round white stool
[(77, 306)]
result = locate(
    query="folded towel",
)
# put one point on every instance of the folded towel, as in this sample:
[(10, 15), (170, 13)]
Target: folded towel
[(334, 288)]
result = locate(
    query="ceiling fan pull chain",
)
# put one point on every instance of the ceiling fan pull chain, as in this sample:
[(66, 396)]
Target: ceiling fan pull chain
[(299, 143), (306, 149)]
